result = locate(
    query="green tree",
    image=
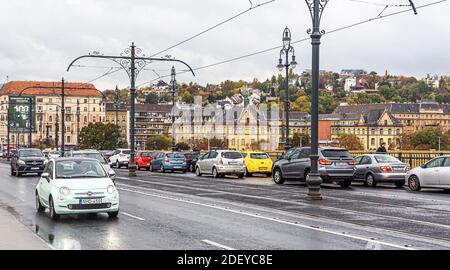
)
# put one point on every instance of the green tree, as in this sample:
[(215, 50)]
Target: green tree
[(151, 98), (429, 138), (182, 146), (158, 142), (98, 136), (388, 92), (188, 98), (350, 142)]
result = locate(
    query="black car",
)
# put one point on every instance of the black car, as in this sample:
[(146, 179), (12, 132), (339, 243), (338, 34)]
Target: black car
[(27, 161), (191, 160)]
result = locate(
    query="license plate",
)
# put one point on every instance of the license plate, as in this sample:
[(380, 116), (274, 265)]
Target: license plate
[(177, 167), (35, 168), (232, 163), (90, 201), (340, 164), (263, 168)]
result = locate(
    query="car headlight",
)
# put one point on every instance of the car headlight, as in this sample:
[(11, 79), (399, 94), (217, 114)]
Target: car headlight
[(111, 189), (64, 191), (45, 162), (21, 162)]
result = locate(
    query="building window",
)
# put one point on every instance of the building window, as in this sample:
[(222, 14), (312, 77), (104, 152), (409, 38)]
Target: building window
[(40, 100), (68, 139), (233, 142), (373, 131), (381, 131), (398, 131), (389, 131), (50, 118), (372, 141), (243, 141)]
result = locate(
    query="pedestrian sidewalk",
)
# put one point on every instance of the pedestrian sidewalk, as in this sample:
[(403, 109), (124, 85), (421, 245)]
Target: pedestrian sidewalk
[(16, 236)]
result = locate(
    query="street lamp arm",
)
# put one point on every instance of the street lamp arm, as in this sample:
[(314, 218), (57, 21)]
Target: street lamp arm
[(167, 60), (413, 7), (129, 58), (97, 56)]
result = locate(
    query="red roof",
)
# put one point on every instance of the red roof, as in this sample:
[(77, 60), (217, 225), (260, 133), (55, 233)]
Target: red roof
[(15, 87)]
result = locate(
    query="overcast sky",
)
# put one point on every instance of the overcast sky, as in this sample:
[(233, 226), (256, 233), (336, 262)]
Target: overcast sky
[(38, 39)]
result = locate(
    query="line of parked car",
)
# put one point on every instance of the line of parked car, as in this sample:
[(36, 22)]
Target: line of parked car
[(336, 165)]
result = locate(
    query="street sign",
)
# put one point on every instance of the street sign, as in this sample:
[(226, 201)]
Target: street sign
[(18, 113)]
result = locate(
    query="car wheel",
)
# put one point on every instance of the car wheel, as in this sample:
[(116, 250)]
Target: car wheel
[(399, 184), (183, 171), (148, 168), (346, 183), (247, 173), (39, 207), (370, 180), (306, 175), (197, 171), (269, 174), (112, 215), (18, 174), (53, 214), (151, 167), (414, 183), (278, 177), (161, 169), (215, 173), (117, 164), (191, 168), (12, 172), (241, 175)]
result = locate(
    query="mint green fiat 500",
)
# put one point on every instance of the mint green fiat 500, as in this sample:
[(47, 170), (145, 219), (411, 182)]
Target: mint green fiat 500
[(76, 186)]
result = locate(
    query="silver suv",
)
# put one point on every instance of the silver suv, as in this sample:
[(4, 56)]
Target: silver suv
[(220, 163), (335, 165)]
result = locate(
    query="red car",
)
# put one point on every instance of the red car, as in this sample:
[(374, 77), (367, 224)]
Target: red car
[(143, 159)]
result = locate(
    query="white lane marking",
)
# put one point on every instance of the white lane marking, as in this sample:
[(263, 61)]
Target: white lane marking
[(271, 219), (217, 245), (294, 203), (132, 216)]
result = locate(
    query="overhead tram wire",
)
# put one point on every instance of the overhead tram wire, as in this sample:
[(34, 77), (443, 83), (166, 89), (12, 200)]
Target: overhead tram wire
[(252, 7), (302, 40)]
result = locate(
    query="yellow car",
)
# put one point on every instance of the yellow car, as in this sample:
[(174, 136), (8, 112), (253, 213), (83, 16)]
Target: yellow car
[(258, 162)]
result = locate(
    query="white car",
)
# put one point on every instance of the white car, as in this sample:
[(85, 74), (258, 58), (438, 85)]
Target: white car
[(120, 157), (434, 174), (76, 186), (220, 163), (54, 154)]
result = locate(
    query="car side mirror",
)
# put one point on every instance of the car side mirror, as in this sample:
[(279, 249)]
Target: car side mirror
[(423, 166), (46, 176)]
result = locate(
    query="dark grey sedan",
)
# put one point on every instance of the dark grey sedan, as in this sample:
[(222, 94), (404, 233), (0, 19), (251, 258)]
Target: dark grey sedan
[(376, 168)]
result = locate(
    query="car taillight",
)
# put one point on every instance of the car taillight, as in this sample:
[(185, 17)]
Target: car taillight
[(408, 168), (221, 161), (166, 159), (386, 168), (325, 162), (352, 162)]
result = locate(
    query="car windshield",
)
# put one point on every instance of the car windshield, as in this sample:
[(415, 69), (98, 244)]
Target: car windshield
[(175, 155), (231, 155), (386, 159), (336, 153), (259, 156), (96, 156), (69, 169), (147, 154), (30, 153), (126, 152)]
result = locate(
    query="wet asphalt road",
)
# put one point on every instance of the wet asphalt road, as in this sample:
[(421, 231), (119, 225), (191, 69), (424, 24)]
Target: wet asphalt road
[(182, 211)]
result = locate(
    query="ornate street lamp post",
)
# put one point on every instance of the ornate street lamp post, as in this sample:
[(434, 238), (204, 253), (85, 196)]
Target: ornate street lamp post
[(131, 61), (287, 48), (314, 181), (173, 82), (116, 107)]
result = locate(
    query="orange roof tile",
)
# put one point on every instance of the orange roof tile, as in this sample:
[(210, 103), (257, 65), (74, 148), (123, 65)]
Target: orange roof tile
[(15, 87)]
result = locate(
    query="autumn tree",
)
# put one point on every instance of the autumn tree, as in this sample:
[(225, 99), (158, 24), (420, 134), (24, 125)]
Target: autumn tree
[(350, 142), (158, 142)]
